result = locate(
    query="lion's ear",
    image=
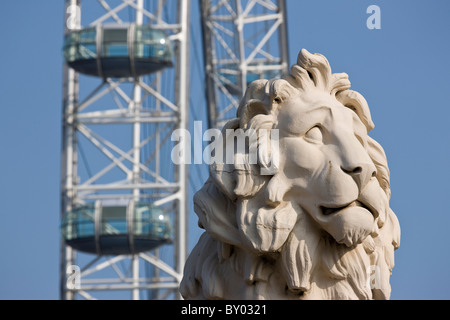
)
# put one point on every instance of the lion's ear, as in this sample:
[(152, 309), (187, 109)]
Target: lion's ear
[(355, 101)]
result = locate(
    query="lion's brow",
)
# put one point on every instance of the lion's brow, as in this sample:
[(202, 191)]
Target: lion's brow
[(315, 116), (322, 107)]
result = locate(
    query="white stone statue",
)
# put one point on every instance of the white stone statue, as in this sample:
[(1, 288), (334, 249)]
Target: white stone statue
[(316, 224)]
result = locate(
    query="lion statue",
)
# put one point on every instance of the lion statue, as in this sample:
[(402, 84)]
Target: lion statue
[(310, 219)]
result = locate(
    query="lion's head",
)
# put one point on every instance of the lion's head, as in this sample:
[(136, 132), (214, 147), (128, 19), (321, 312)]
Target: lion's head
[(311, 218)]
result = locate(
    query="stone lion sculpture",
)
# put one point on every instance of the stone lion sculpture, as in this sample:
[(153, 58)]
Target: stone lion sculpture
[(319, 225)]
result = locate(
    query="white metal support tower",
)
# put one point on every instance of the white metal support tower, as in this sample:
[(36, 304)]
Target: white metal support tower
[(243, 40), (117, 178)]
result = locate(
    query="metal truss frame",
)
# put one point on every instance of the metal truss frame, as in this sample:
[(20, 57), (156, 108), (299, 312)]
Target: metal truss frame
[(240, 38), (150, 107)]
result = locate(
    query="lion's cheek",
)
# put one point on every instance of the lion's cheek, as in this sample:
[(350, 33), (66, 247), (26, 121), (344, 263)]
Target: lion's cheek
[(299, 154), (349, 226), (300, 161)]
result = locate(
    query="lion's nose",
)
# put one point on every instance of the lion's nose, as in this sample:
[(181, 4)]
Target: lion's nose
[(361, 173)]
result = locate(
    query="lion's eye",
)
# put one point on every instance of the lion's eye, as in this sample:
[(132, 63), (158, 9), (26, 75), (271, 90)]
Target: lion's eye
[(277, 100), (314, 135)]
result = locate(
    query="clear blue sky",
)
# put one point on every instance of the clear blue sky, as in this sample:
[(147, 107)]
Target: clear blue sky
[(403, 71)]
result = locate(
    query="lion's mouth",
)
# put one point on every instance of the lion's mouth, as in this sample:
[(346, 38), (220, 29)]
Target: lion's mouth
[(329, 211)]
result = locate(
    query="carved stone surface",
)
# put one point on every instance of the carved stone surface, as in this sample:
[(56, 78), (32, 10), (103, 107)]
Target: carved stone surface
[(317, 224)]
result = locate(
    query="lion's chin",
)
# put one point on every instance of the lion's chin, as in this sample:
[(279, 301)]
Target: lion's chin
[(349, 225)]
